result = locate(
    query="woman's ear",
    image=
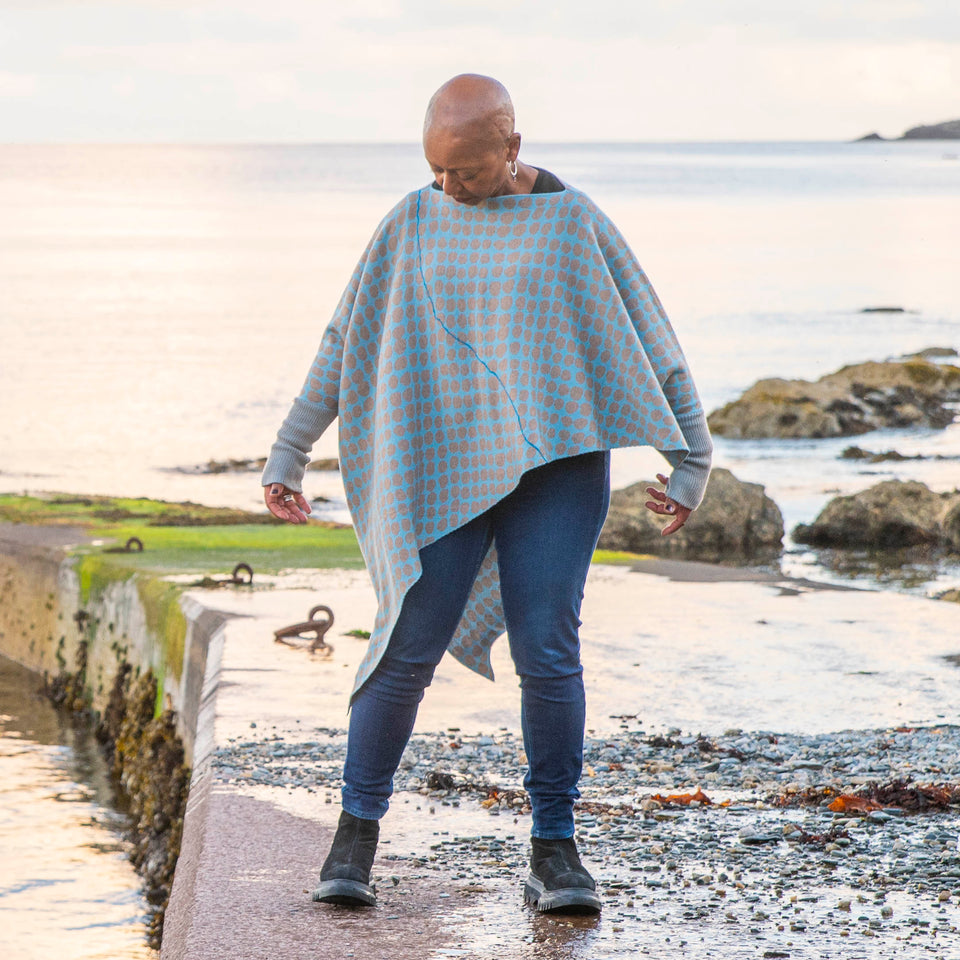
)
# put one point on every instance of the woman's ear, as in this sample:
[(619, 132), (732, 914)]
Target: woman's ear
[(513, 147)]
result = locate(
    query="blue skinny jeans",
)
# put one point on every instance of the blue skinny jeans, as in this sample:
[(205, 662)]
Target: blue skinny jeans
[(545, 532)]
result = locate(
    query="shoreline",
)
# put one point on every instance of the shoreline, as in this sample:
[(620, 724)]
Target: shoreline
[(221, 534)]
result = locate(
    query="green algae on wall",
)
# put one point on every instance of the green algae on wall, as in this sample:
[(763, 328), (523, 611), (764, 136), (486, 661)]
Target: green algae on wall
[(163, 617)]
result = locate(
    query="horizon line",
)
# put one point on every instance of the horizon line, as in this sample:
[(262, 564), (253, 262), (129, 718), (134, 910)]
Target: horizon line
[(416, 143)]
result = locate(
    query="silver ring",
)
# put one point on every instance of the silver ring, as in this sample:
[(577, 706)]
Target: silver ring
[(288, 498)]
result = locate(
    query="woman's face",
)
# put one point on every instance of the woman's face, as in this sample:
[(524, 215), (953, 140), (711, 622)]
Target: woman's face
[(468, 165)]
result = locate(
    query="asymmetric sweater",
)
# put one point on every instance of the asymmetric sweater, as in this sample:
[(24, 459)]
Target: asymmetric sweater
[(472, 344)]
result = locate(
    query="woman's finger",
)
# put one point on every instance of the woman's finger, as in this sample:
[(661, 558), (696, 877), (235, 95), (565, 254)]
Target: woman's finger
[(672, 528), (682, 515)]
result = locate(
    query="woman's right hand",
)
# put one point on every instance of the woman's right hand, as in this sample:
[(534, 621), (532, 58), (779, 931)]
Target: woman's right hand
[(286, 504)]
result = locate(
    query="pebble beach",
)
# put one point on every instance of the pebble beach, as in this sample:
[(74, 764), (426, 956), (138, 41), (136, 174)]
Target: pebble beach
[(763, 875)]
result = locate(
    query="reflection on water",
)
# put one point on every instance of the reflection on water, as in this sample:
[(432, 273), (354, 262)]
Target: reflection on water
[(921, 570), (67, 889)]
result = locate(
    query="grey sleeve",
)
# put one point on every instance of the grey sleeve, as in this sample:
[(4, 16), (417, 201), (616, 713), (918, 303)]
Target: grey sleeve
[(290, 453)]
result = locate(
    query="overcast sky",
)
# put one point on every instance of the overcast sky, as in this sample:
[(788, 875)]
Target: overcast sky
[(309, 70)]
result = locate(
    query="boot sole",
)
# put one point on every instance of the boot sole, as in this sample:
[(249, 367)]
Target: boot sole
[(580, 900), (348, 893)]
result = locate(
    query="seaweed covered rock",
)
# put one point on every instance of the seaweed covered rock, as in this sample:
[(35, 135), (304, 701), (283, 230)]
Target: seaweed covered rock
[(149, 763), (849, 402), (736, 520), (888, 516)]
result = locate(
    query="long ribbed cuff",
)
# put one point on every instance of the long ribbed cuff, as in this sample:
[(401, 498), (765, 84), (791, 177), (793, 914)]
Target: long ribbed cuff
[(688, 481)]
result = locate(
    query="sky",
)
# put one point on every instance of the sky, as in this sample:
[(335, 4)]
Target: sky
[(363, 70)]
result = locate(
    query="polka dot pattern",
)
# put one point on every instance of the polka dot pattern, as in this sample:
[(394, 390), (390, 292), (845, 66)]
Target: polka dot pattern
[(473, 344)]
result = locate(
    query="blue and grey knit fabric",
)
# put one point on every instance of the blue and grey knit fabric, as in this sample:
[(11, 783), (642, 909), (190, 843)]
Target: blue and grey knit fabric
[(472, 344)]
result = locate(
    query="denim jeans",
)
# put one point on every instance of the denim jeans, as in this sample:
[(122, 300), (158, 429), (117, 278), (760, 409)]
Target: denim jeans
[(545, 532)]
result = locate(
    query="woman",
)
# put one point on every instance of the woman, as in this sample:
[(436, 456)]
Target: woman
[(496, 341)]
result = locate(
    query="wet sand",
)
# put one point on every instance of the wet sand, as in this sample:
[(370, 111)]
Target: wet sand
[(695, 650)]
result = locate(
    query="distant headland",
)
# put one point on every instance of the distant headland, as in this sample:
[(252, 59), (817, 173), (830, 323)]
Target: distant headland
[(948, 130)]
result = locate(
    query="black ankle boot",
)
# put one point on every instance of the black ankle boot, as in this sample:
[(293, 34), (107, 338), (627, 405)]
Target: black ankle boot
[(345, 876), (558, 881)]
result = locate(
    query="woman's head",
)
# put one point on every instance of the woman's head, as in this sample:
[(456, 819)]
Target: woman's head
[(469, 140)]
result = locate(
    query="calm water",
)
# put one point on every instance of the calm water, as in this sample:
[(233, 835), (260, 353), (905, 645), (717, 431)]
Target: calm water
[(159, 306), (66, 887)]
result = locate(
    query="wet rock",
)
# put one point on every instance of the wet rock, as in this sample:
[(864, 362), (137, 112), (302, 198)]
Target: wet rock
[(933, 353), (735, 518), (951, 525), (872, 456), (852, 401), (858, 453), (751, 837), (888, 515)]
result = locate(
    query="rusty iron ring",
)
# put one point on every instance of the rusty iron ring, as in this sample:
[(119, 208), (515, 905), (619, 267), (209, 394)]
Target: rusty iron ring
[(289, 635)]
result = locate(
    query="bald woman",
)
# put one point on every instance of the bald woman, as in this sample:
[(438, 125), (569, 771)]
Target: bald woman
[(497, 340)]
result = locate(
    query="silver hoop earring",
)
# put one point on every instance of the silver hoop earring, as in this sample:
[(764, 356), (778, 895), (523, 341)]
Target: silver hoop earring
[(512, 167)]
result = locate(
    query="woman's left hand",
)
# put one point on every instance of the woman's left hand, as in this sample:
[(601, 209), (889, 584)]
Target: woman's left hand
[(663, 505)]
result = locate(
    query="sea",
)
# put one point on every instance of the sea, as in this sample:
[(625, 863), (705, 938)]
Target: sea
[(160, 305)]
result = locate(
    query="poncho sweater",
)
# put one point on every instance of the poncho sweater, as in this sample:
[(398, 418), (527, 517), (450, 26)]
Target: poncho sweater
[(472, 344)]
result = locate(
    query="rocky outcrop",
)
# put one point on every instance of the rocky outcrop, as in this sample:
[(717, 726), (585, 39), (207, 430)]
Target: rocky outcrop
[(852, 401), (948, 130), (889, 515), (736, 520)]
